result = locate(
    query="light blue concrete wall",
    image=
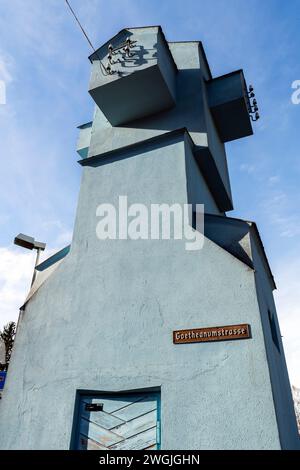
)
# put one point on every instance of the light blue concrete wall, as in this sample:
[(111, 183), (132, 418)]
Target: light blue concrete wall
[(146, 49), (104, 321), (139, 84), (281, 388)]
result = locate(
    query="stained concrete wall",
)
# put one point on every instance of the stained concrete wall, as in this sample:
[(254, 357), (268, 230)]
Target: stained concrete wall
[(104, 321)]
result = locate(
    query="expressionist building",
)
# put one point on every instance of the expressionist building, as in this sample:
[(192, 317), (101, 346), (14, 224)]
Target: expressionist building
[(143, 344)]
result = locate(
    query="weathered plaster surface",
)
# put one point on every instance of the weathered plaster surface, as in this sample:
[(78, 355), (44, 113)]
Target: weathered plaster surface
[(104, 321)]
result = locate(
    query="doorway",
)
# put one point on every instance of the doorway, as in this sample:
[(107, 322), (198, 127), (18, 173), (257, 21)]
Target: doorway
[(117, 421)]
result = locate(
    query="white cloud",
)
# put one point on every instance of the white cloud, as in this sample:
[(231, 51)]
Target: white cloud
[(245, 167), (287, 299), (280, 211), (273, 179), (64, 238), (63, 234), (15, 278), (7, 71), (38, 25), (6, 67)]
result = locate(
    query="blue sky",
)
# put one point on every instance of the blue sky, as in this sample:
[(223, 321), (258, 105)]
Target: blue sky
[(43, 61)]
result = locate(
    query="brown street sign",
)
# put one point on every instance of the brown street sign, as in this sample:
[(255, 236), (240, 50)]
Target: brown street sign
[(214, 333)]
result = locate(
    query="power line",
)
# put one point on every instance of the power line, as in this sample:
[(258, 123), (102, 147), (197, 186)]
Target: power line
[(87, 38)]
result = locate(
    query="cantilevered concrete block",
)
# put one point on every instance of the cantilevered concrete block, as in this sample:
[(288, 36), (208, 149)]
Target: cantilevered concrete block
[(84, 139), (133, 75), (229, 105), (209, 169)]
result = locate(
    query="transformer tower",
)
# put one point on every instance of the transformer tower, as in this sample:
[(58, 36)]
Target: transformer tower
[(143, 344)]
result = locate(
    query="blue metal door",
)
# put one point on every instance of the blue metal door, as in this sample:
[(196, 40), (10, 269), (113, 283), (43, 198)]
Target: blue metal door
[(119, 421)]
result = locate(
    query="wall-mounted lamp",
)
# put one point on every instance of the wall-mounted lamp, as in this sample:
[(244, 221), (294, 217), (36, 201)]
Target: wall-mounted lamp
[(30, 244)]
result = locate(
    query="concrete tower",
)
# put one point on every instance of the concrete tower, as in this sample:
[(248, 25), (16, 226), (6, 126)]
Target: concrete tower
[(139, 344)]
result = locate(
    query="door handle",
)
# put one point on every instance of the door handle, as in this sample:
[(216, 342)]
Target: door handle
[(93, 407)]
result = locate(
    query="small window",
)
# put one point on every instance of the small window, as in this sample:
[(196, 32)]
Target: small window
[(274, 331)]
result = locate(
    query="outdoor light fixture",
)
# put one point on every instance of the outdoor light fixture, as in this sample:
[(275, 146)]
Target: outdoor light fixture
[(30, 244)]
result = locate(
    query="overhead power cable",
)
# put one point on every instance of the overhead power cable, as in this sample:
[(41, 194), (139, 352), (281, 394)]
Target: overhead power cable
[(102, 67)]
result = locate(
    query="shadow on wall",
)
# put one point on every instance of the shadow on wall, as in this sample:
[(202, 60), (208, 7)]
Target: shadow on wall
[(137, 58), (186, 113)]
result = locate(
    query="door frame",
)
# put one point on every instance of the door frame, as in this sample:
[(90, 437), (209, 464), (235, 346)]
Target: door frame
[(94, 393)]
